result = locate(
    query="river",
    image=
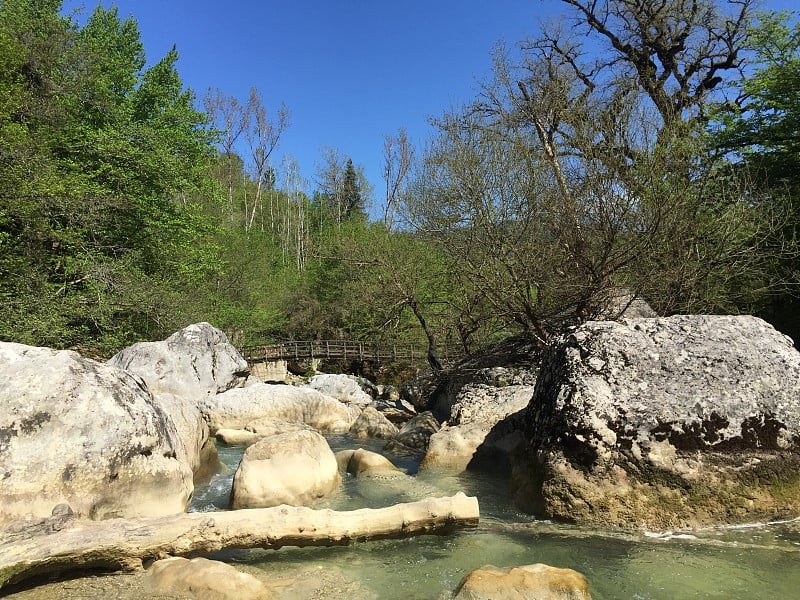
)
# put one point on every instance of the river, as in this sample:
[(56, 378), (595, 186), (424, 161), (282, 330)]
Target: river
[(745, 562), (759, 561)]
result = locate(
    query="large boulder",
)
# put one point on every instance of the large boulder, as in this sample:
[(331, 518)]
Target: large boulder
[(191, 365), (665, 422), (84, 433), (538, 581), (294, 468), (237, 408)]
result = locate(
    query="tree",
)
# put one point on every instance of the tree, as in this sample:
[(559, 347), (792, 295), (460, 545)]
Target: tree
[(570, 177), (763, 127), (398, 156), (759, 134), (262, 136), (228, 117), (342, 187), (116, 153), (352, 200), (675, 53)]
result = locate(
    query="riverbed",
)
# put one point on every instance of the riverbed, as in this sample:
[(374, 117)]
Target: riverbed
[(747, 562), (757, 561)]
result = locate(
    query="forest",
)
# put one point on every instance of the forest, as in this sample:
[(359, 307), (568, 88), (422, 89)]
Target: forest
[(645, 147)]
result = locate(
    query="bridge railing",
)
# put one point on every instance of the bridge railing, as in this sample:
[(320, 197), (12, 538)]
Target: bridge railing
[(338, 349)]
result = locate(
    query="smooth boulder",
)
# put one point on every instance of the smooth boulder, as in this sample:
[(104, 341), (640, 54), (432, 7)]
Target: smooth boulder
[(203, 579), (362, 462), (296, 468), (345, 388), (538, 581), (236, 408), (86, 434), (665, 422)]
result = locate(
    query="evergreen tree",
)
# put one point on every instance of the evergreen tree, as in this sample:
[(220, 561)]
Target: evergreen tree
[(352, 201)]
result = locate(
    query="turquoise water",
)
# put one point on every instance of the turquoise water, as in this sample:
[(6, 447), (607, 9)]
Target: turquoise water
[(750, 562)]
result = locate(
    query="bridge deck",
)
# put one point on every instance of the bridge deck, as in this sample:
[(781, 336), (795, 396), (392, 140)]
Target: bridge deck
[(336, 349)]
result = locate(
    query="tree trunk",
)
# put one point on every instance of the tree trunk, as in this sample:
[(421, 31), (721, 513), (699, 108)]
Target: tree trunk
[(57, 545), (433, 354)]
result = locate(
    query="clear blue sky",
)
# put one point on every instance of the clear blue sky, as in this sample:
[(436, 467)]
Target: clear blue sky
[(350, 71)]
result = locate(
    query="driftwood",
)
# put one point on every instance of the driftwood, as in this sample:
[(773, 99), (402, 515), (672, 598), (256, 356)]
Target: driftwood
[(58, 546)]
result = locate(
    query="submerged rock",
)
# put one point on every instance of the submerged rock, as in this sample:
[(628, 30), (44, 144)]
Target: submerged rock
[(362, 462), (686, 420), (538, 581), (87, 434)]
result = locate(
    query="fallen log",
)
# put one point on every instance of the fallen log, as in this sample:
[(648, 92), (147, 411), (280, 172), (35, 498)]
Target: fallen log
[(123, 544)]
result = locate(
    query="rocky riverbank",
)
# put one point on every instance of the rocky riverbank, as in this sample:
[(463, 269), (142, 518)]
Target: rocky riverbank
[(685, 421)]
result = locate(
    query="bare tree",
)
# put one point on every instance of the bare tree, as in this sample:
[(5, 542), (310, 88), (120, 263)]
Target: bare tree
[(330, 181), (229, 118), (398, 156), (569, 177), (676, 52), (295, 232), (263, 135)]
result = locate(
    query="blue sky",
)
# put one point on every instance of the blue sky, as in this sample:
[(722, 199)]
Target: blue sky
[(350, 71)]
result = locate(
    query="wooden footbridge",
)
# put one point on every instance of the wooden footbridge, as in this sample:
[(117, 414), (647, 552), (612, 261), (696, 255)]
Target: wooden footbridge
[(340, 350)]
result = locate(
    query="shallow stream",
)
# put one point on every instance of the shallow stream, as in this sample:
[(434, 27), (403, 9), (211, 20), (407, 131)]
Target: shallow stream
[(746, 562)]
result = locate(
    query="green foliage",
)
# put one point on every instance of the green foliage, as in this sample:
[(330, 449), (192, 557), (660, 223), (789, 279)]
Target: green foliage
[(103, 159), (762, 137), (765, 130), (120, 220)]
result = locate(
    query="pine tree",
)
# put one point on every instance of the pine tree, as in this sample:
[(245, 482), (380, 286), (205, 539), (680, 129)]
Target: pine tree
[(352, 200)]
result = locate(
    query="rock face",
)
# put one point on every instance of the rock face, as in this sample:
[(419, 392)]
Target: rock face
[(191, 365), (294, 468), (203, 579), (665, 422), (485, 426), (83, 433), (538, 581), (237, 408)]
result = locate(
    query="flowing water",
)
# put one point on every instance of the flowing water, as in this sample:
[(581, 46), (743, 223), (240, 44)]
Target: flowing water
[(747, 562)]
